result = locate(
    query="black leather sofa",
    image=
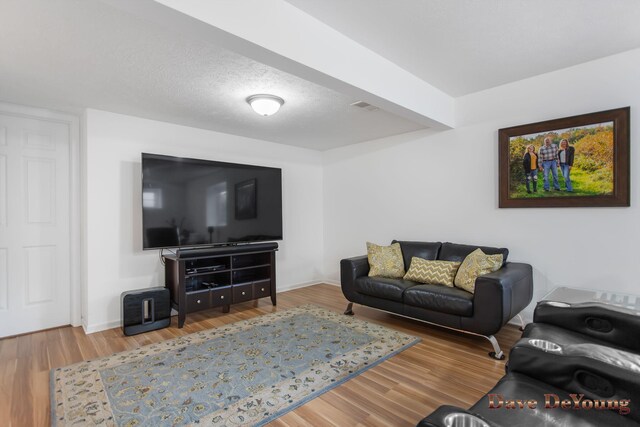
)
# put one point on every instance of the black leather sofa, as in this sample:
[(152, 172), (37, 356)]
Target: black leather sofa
[(587, 352), (498, 297)]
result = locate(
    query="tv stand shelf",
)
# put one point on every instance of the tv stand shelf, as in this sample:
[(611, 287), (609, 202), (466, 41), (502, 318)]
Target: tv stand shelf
[(220, 277)]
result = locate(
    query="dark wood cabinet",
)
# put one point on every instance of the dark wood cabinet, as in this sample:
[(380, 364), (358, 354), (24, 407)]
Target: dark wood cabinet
[(219, 277)]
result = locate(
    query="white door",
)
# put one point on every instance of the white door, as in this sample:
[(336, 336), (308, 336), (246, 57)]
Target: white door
[(35, 290)]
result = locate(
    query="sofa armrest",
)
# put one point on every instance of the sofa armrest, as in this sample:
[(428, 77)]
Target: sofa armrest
[(606, 322), (350, 270), (500, 295), (442, 417)]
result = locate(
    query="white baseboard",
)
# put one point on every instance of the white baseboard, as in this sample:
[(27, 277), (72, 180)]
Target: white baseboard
[(90, 329), (298, 285), (305, 284)]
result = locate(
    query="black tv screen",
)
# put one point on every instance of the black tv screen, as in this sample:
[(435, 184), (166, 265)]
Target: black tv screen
[(190, 202)]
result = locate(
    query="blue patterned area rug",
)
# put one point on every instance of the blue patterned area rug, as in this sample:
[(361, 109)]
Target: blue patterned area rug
[(245, 373)]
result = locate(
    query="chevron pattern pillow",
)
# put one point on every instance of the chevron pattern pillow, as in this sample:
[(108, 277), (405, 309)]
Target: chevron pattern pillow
[(432, 272), (385, 261), (477, 263)]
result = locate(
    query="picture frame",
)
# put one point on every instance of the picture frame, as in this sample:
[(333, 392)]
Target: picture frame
[(591, 166), (245, 204)]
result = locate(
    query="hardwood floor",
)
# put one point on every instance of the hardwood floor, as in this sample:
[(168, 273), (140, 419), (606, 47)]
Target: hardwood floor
[(446, 367)]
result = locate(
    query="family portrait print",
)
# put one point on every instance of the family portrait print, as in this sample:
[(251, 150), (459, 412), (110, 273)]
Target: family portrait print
[(564, 162), (575, 161)]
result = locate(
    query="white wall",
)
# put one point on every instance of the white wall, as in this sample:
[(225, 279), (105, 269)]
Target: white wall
[(112, 239), (444, 186)]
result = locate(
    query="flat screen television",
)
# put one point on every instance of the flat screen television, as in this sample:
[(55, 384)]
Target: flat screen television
[(192, 203)]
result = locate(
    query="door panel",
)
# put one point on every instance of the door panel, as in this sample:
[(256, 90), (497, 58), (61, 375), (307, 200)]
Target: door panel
[(35, 290), (40, 267), (40, 187)]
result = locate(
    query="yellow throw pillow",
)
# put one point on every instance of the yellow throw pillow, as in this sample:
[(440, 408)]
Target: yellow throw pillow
[(432, 272), (385, 261), (477, 263)]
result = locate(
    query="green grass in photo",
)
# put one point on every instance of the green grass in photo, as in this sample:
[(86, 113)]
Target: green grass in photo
[(584, 184)]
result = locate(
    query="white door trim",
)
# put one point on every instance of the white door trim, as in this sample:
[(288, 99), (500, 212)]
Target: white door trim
[(75, 263)]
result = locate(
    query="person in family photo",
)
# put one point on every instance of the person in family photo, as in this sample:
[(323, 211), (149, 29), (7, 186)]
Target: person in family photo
[(565, 156), (549, 156), (530, 165)]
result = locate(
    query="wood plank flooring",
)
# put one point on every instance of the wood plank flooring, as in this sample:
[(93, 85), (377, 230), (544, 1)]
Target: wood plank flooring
[(446, 367)]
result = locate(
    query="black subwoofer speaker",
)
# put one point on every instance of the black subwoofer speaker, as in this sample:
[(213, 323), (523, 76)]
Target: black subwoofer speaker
[(145, 310)]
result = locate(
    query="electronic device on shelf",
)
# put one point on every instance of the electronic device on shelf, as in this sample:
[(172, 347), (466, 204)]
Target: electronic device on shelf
[(205, 269), (209, 285)]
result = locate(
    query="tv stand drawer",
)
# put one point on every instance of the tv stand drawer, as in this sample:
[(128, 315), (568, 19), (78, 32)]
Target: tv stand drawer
[(221, 296), (243, 293), (261, 288), (198, 301)]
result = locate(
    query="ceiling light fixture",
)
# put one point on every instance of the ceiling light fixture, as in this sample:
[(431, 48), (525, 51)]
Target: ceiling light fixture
[(265, 105)]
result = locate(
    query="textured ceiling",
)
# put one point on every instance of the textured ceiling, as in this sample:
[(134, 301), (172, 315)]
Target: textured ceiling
[(71, 54), (464, 46), (74, 54)]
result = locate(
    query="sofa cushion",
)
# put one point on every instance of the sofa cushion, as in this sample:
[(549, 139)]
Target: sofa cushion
[(477, 263), (441, 299), (385, 261), (432, 272), (383, 287), (424, 250), (455, 252)]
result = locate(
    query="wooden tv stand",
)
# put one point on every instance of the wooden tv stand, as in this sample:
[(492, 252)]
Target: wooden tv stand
[(219, 277)]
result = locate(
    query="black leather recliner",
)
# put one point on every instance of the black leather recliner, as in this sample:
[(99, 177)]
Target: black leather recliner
[(586, 354), (498, 297)]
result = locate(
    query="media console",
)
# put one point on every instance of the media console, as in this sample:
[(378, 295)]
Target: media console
[(221, 276)]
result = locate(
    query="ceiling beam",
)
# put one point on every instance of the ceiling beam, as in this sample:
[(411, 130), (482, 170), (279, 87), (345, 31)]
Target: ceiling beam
[(278, 34)]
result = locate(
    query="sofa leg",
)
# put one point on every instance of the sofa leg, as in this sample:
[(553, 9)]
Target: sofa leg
[(349, 310), (521, 322), (497, 353)]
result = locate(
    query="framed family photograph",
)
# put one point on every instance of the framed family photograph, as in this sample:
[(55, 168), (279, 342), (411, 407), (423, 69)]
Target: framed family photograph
[(579, 161)]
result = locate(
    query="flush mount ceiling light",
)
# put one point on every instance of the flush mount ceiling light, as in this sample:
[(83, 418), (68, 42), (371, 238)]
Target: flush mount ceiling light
[(265, 105)]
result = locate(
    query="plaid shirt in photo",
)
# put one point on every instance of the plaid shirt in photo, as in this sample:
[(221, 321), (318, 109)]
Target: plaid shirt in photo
[(548, 153)]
